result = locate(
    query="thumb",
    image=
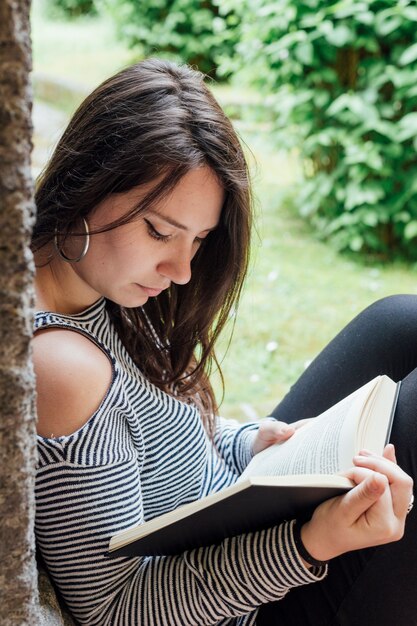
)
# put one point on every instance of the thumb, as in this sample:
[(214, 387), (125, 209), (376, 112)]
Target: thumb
[(363, 496)]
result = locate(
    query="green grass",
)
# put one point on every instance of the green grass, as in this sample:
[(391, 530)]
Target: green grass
[(299, 292), (84, 51)]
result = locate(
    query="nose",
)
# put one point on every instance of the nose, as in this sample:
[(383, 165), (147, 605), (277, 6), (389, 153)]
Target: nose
[(177, 267)]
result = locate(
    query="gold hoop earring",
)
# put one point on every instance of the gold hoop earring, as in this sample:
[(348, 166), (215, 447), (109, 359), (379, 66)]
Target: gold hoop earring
[(62, 254)]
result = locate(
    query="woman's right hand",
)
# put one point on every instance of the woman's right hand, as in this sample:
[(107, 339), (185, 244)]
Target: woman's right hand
[(372, 513)]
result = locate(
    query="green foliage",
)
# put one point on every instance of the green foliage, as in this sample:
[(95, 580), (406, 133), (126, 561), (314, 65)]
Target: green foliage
[(198, 32), (71, 8), (340, 80)]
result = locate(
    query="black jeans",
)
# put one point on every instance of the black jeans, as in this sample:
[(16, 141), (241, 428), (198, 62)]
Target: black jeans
[(376, 586)]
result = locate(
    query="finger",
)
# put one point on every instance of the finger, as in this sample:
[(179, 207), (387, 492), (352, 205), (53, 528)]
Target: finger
[(362, 497), (401, 485), (389, 453), (380, 464), (357, 474)]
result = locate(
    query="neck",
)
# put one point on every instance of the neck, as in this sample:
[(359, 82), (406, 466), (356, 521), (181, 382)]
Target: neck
[(58, 288)]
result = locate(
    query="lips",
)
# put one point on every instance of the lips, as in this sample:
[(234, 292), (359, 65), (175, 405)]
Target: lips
[(150, 291)]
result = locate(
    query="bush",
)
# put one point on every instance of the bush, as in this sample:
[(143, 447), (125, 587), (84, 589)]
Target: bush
[(197, 32), (341, 84), (71, 8)]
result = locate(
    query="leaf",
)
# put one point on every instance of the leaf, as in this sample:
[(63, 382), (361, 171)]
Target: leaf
[(410, 13), (340, 36), (356, 243), (354, 103), (366, 153), (361, 195), (367, 17), (409, 55), (410, 231), (402, 216), (370, 218), (312, 20), (407, 127), (305, 53), (347, 8), (386, 129), (386, 24)]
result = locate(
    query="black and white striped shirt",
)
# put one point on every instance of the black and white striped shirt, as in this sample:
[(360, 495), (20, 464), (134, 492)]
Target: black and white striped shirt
[(141, 454)]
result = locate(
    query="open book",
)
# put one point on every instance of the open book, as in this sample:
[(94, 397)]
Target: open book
[(281, 482)]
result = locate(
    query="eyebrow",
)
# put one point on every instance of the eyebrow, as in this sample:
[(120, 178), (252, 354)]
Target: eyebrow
[(176, 224)]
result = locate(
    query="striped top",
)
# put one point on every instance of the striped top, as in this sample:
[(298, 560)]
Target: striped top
[(141, 454)]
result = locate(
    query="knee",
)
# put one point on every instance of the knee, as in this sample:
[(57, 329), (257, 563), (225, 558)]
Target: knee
[(399, 311)]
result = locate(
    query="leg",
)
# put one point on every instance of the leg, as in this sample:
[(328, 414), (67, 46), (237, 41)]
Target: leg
[(373, 587), (380, 340)]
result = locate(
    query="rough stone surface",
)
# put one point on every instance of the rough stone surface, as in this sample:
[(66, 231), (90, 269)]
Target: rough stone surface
[(18, 579), (51, 612)]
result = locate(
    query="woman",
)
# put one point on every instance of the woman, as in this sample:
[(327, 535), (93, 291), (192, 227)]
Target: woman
[(141, 247)]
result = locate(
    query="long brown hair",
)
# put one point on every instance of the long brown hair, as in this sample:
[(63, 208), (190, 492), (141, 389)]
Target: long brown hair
[(155, 120)]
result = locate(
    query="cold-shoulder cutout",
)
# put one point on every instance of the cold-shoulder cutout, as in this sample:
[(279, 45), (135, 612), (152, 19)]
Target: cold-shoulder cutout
[(73, 376)]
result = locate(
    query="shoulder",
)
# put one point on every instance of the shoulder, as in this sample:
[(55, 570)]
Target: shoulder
[(72, 377)]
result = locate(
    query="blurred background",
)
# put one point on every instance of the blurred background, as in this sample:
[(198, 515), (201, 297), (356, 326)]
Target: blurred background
[(324, 97)]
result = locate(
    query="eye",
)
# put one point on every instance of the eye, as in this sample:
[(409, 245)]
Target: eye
[(155, 234), (202, 240)]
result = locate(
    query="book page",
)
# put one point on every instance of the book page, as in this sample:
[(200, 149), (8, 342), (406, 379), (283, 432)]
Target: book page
[(374, 430), (324, 446)]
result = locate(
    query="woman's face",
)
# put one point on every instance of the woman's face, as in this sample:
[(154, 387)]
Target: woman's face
[(134, 262)]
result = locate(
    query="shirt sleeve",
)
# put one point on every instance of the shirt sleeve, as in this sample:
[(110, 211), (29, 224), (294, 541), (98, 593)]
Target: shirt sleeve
[(79, 509)]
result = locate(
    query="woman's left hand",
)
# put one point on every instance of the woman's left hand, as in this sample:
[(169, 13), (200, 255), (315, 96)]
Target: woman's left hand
[(271, 432), (371, 514)]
